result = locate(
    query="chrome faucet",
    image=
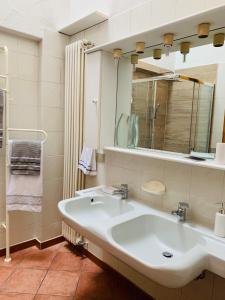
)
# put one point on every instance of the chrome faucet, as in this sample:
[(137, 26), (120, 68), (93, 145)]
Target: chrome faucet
[(181, 212), (122, 190)]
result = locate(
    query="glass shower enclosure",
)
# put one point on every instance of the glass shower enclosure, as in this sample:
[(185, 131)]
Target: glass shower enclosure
[(170, 113)]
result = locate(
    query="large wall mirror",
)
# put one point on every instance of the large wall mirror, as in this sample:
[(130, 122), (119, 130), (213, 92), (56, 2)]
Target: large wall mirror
[(172, 104)]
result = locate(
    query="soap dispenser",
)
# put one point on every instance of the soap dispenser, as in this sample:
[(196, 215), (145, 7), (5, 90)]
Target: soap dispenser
[(220, 221)]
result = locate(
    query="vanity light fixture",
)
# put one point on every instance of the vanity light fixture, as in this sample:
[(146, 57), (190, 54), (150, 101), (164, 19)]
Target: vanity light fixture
[(185, 49), (168, 42), (157, 53), (134, 61), (140, 47), (203, 30), (117, 53), (218, 39)]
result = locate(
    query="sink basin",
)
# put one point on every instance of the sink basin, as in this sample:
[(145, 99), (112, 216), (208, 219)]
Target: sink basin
[(163, 249), (155, 240), (153, 243), (91, 210)]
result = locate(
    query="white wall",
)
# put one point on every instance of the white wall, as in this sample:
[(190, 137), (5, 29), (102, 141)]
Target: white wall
[(109, 7), (33, 16)]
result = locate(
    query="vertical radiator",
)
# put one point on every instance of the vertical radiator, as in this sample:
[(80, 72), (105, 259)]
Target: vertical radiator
[(74, 115)]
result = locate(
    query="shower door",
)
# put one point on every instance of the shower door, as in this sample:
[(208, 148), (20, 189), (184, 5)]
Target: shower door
[(202, 117), (142, 106)]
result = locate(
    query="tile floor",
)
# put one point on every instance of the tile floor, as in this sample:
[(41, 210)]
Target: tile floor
[(61, 273)]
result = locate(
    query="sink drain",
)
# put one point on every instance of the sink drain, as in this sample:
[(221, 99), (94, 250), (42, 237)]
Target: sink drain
[(167, 254)]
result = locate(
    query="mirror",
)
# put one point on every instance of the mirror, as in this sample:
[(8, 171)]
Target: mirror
[(172, 105)]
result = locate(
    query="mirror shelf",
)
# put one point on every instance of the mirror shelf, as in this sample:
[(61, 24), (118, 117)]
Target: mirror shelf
[(183, 28), (167, 156)]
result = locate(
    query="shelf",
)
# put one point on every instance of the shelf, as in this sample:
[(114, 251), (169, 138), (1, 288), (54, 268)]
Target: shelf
[(168, 156), (83, 23), (185, 27)]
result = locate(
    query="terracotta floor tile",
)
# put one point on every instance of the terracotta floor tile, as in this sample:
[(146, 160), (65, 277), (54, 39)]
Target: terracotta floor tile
[(16, 258), (66, 247), (94, 286), (39, 259), (61, 283), (66, 261), (5, 272), (90, 266), (14, 296), (24, 281), (52, 297)]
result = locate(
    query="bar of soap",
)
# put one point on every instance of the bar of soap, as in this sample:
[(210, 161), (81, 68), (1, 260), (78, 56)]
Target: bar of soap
[(154, 188)]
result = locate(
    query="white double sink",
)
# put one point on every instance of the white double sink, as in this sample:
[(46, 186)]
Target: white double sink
[(156, 244)]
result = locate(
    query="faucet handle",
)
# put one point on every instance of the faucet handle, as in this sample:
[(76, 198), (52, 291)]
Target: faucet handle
[(183, 205)]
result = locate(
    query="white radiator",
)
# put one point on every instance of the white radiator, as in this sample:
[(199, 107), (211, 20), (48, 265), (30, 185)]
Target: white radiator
[(73, 179), (72, 236)]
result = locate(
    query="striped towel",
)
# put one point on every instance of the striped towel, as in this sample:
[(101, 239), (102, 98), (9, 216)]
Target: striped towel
[(87, 162), (25, 158), (25, 192)]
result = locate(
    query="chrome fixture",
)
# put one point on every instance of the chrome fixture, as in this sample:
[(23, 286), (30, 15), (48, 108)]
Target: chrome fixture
[(122, 190), (181, 212)]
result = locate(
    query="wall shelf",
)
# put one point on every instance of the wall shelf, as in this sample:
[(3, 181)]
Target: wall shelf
[(185, 27), (83, 23), (168, 156)]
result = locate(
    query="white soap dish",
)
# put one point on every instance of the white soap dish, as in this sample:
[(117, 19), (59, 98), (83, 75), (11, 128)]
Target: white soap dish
[(154, 187)]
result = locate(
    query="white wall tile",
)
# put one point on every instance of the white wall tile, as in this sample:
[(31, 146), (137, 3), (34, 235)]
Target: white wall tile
[(163, 12), (51, 69), (187, 8), (28, 67), (54, 43), (141, 18), (177, 181), (28, 46), (52, 118), (119, 26), (51, 94), (23, 92)]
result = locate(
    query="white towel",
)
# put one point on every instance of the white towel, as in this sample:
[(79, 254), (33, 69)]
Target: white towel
[(25, 192), (87, 162)]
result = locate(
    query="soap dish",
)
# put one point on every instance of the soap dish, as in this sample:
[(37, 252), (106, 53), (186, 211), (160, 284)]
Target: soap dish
[(154, 188)]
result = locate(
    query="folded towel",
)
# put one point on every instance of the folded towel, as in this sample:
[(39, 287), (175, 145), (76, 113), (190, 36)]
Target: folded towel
[(87, 162), (25, 158), (25, 192)]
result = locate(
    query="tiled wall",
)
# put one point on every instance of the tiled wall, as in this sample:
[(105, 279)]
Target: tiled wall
[(151, 14), (36, 100), (183, 183), (202, 188)]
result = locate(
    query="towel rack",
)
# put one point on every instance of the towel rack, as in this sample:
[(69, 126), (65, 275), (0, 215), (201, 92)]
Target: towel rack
[(31, 130), (6, 130)]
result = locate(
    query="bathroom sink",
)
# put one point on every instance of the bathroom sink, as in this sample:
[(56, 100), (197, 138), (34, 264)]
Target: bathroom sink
[(155, 240), (91, 210), (162, 249), (153, 243)]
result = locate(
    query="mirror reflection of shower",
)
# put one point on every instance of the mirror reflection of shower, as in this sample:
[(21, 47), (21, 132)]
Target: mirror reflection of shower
[(172, 113)]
